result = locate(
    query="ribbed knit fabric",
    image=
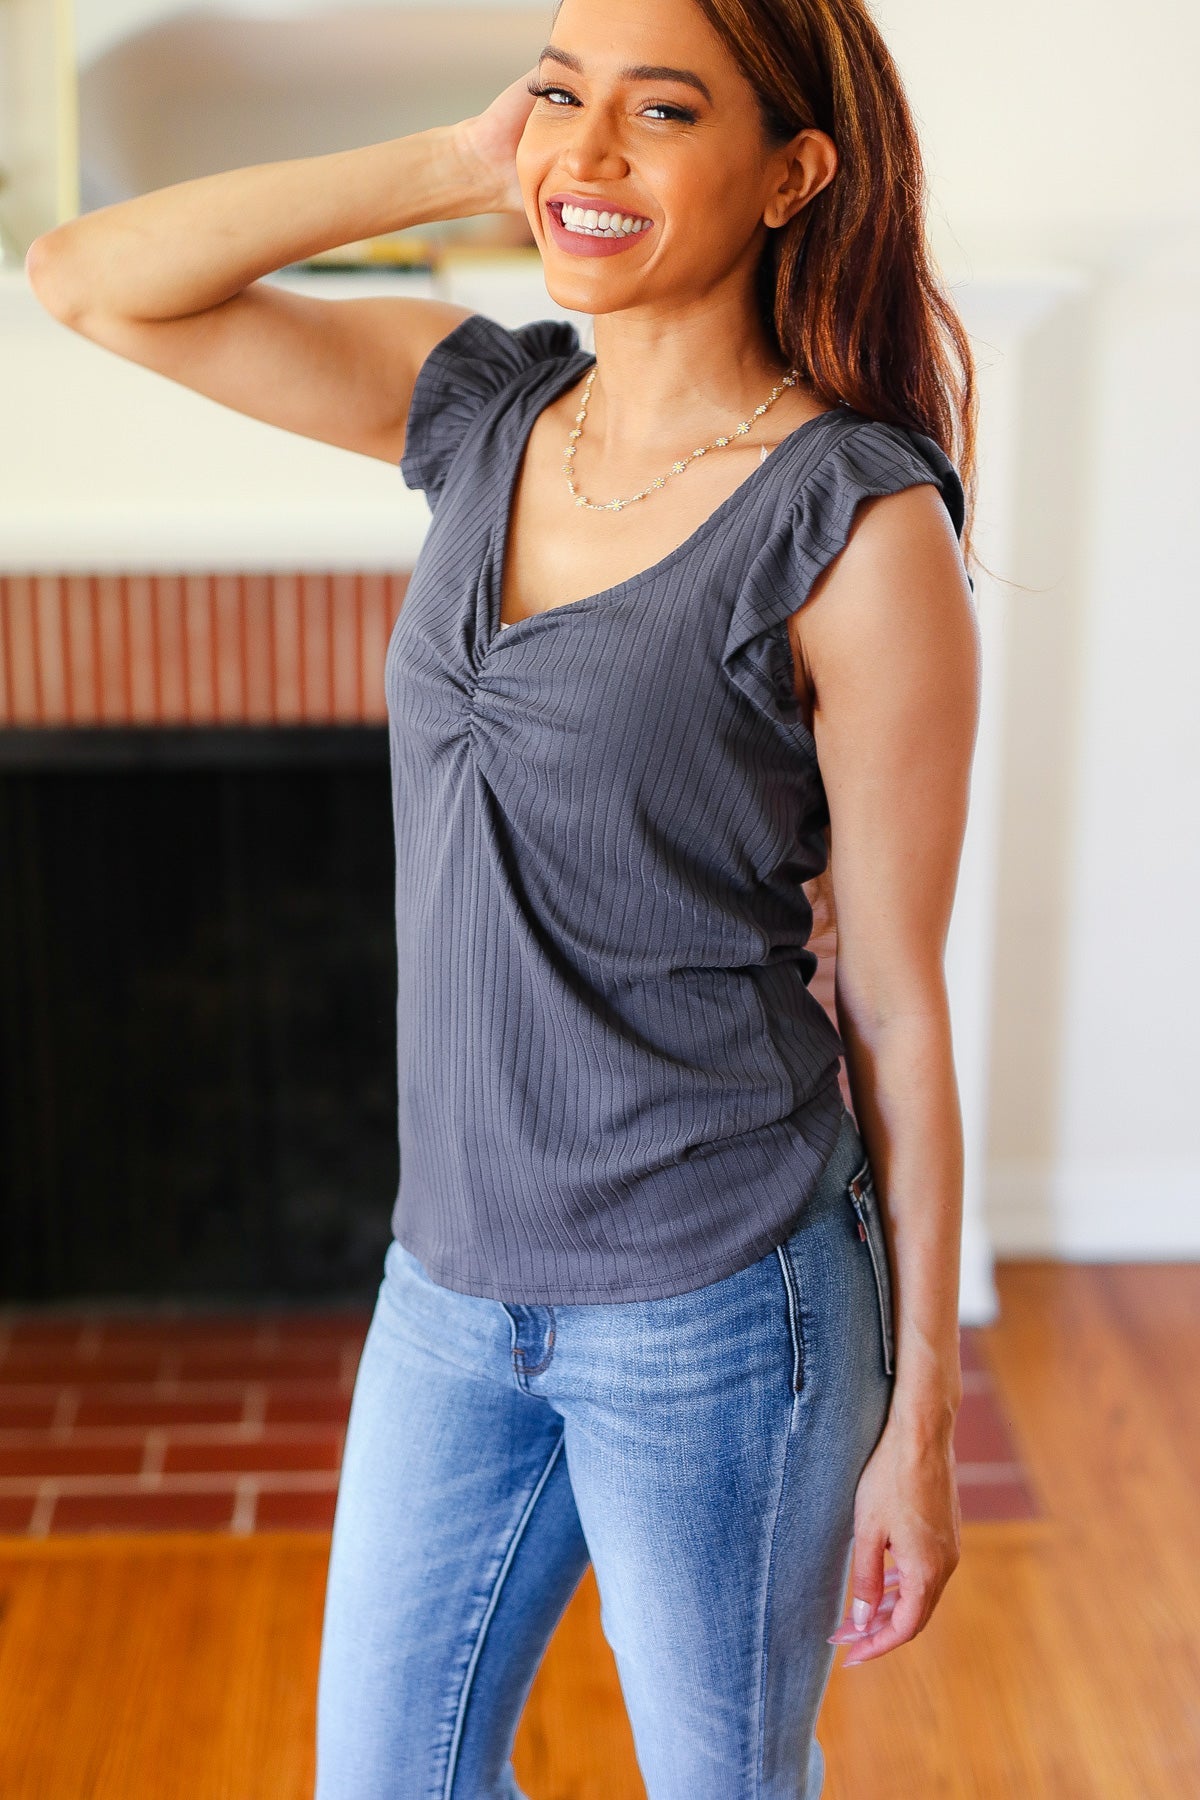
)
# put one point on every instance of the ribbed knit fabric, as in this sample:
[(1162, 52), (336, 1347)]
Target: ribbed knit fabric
[(614, 1083)]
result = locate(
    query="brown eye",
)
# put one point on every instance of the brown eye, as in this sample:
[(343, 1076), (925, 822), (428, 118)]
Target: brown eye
[(676, 112), (539, 92)]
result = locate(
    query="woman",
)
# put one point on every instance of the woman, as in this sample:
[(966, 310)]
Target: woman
[(687, 610)]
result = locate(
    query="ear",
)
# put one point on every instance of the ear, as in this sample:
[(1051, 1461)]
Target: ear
[(810, 163)]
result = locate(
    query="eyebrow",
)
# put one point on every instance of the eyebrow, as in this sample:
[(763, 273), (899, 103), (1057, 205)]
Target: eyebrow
[(633, 71)]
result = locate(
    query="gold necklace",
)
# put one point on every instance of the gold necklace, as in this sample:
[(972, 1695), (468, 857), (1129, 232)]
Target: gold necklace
[(677, 468)]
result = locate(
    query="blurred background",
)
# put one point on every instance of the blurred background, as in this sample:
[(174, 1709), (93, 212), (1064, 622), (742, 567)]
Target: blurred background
[(196, 937)]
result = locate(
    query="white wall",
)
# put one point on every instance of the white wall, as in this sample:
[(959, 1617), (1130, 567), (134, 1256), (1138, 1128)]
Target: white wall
[(1070, 130), (1095, 1124), (210, 87), (101, 24), (39, 150), (1053, 116)]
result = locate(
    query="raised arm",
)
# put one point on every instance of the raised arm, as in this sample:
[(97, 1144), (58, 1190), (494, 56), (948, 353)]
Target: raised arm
[(173, 279)]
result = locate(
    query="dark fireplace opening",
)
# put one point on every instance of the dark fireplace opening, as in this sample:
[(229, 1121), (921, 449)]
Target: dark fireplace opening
[(197, 1029)]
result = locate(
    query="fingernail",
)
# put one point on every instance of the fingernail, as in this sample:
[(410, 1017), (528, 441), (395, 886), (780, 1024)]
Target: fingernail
[(861, 1612)]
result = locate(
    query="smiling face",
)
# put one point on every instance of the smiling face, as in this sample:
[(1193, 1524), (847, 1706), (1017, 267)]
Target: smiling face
[(647, 177)]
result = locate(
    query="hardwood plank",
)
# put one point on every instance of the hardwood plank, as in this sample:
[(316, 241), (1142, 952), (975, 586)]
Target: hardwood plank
[(175, 1667)]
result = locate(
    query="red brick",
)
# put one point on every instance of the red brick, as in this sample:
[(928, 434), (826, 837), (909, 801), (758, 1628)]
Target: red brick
[(142, 1512), (232, 1363), (71, 1459), (121, 1392), (15, 1513), (305, 1403), (32, 1332), (26, 1415), (221, 1328), (980, 1432), (145, 1410), (994, 1501), (321, 1451), (295, 1512), (350, 1326), (43, 1364)]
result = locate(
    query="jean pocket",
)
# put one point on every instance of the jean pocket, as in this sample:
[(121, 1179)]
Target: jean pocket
[(863, 1198)]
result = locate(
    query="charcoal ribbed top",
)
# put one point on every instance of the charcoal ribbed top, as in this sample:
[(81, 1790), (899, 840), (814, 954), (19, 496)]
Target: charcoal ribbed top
[(614, 1083)]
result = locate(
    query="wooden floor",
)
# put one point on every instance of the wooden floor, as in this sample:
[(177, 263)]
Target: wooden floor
[(1063, 1661)]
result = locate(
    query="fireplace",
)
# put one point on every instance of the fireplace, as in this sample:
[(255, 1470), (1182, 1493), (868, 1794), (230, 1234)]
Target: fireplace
[(197, 1074)]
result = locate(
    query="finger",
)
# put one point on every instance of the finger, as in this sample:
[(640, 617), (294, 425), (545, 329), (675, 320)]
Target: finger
[(875, 1644), (906, 1621), (868, 1580), (848, 1632), (891, 1588), (885, 1605)]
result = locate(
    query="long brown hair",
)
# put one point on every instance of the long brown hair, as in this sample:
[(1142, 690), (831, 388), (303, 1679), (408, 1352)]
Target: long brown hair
[(847, 288)]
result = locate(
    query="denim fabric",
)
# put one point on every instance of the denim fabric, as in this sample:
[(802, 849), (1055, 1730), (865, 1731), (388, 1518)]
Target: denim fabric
[(702, 1451)]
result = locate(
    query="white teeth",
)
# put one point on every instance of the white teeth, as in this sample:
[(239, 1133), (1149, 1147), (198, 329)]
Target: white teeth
[(601, 224)]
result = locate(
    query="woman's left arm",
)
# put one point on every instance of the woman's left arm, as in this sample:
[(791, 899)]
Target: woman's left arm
[(890, 650)]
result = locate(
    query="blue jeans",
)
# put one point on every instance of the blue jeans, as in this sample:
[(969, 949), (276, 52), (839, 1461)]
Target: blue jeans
[(702, 1452)]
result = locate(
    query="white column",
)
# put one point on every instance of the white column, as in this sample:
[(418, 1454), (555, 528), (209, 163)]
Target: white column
[(999, 314)]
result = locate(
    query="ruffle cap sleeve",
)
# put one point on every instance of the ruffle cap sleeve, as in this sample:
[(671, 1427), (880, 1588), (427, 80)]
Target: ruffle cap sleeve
[(463, 372), (866, 457)]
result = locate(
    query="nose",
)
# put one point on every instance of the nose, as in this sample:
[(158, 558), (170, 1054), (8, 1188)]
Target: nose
[(594, 152)]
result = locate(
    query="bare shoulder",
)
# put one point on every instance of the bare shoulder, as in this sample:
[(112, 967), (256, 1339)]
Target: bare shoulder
[(900, 546), (896, 596)]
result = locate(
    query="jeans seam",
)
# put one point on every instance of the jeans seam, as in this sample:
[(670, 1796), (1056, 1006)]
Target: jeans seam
[(767, 1600), (481, 1634)]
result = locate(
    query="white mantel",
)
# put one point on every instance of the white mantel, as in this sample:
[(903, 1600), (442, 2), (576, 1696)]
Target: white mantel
[(108, 466)]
